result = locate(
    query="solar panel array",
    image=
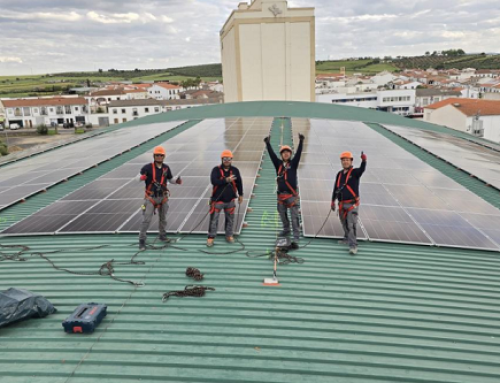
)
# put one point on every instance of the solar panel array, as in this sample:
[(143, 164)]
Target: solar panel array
[(403, 199), (24, 178), (112, 203), (478, 160)]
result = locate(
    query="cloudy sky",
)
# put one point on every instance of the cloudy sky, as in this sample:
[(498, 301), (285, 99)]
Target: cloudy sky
[(47, 36)]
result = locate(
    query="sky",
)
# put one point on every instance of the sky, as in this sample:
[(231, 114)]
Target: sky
[(50, 36)]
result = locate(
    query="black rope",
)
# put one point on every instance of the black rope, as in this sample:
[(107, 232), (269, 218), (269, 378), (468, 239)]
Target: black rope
[(16, 257), (189, 291), (194, 273)]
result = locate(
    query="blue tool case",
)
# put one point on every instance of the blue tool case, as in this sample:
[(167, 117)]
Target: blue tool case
[(85, 318)]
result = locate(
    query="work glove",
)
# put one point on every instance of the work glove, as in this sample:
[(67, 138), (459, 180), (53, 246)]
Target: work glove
[(267, 139), (333, 205), (301, 137), (230, 179), (178, 181), (363, 157), (144, 177), (240, 199)]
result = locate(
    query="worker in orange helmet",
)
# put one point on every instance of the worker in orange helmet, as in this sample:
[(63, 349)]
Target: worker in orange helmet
[(287, 188), (346, 191), (227, 186), (156, 175)]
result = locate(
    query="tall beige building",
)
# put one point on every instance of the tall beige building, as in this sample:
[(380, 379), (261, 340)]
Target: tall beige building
[(268, 52)]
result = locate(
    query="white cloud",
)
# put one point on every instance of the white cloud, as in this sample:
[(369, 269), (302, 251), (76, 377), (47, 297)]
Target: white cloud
[(188, 39), (10, 59), (167, 19), (69, 16), (115, 18)]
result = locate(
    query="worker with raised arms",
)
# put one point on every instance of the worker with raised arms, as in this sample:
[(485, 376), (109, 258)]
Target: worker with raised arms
[(156, 175), (227, 186), (287, 188), (346, 192)]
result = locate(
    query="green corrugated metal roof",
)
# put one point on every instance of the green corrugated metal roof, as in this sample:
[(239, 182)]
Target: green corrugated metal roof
[(394, 313)]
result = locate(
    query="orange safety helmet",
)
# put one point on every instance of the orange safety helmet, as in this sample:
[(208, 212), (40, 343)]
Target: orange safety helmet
[(159, 150), (226, 153), (347, 155), (286, 147)]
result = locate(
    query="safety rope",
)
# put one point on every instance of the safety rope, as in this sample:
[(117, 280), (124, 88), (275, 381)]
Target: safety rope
[(189, 291)]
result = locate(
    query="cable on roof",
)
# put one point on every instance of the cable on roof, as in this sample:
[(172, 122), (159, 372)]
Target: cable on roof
[(189, 291)]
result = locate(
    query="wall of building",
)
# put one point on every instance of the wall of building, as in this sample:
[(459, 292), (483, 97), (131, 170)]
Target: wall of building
[(30, 117), (128, 113), (266, 57), (448, 116), (362, 100), (229, 71), (491, 126)]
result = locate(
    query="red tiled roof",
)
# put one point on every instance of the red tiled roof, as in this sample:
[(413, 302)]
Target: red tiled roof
[(166, 85), (54, 101), (469, 106)]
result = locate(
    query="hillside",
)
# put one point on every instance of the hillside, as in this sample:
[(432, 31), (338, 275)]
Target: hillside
[(480, 61), (22, 86)]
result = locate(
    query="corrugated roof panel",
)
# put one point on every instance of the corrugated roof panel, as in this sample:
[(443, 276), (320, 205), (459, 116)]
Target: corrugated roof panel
[(394, 313)]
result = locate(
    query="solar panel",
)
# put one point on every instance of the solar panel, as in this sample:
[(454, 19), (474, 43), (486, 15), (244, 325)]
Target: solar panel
[(476, 159), (113, 202), (52, 167), (403, 199)]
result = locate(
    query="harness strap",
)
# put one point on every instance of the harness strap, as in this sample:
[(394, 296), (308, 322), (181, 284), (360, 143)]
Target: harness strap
[(356, 199), (285, 176), (150, 193), (222, 177)]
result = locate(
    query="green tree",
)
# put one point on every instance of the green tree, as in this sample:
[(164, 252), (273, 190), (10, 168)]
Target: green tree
[(42, 129)]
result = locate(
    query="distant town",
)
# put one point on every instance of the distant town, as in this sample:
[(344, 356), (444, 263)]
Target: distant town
[(465, 99)]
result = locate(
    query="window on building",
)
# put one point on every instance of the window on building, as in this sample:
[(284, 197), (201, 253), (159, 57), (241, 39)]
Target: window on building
[(124, 120), (35, 110), (51, 110), (18, 112), (84, 109), (76, 108), (146, 110), (115, 111), (157, 109), (109, 98), (134, 112), (27, 111), (118, 98), (10, 111), (67, 109), (59, 110), (117, 121), (124, 111)]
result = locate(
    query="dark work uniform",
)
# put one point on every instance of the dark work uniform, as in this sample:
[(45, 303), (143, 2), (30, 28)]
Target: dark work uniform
[(223, 197), (346, 191), (287, 189), (156, 197)]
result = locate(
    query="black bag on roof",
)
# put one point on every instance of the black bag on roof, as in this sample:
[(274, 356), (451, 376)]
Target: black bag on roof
[(17, 305)]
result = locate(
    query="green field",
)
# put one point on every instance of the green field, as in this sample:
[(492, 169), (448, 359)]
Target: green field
[(22, 86)]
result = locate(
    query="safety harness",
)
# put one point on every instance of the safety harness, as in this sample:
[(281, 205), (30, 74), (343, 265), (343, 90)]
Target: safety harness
[(355, 200), (162, 188), (214, 203), (283, 197)]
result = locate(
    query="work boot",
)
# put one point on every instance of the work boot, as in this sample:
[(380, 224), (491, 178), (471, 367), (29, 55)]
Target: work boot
[(353, 250), (164, 239), (210, 242), (342, 242), (294, 245), (142, 244), (230, 239)]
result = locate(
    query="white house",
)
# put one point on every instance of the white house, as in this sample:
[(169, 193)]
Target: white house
[(480, 118), (383, 78), (128, 110), (400, 102), (49, 111), (410, 85), (104, 97), (430, 96), (216, 86), (164, 91), (172, 105)]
